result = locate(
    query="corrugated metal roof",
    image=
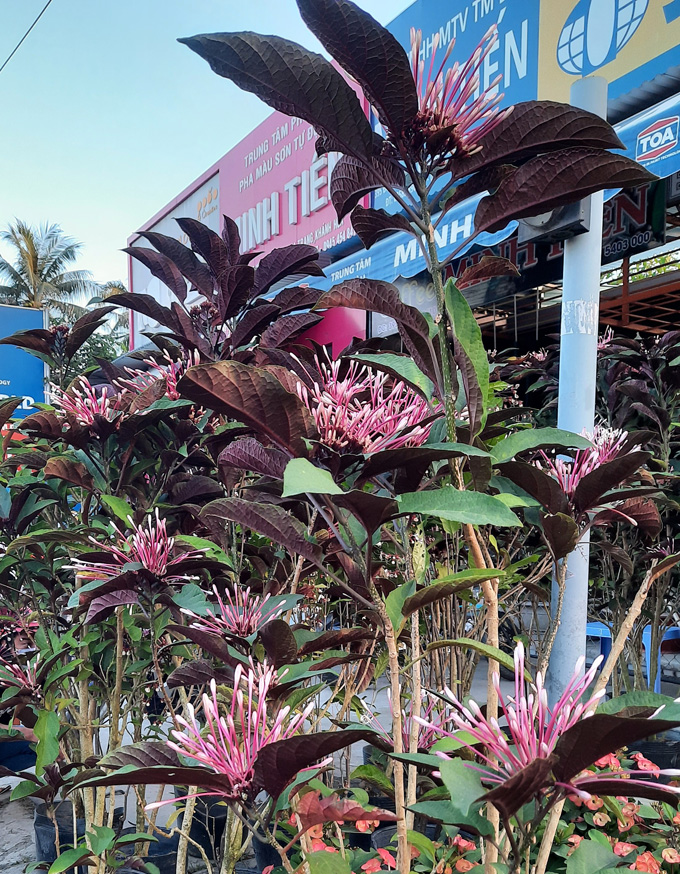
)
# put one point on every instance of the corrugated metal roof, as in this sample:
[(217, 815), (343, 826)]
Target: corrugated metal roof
[(649, 93)]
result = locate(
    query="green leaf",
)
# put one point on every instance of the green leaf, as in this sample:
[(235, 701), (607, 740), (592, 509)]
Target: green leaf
[(465, 788), (470, 508), (447, 586), (395, 602), (535, 438), (301, 476), (422, 843), (119, 507), (403, 367), (47, 731), (24, 789), (212, 550), (375, 776), (591, 857), (69, 860), (327, 863), (467, 332), (101, 838), (634, 699), (490, 652), (191, 597), (133, 838)]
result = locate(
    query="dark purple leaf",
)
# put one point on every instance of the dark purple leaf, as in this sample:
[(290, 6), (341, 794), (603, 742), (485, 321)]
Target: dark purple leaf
[(147, 306), (279, 643), (142, 755), (591, 739), (104, 605), (285, 330), (236, 289), (519, 789), (199, 673), (642, 511), (292, 80), (197, 488), (535, 127), (486, 180), (372, 224), (540, 485), (232, 239), (552, 180), (392, 459), (296, 298), (369, 53), (335, 639), (619, 555), (152, 393), (70, 471), (489, 267), (253, 396), (7, 407), (253, 323), (351, 180), (631, 788), (162, 268), (37, 340), (474, 396), (248, 454), (209, 245), (374, 295), (214, 644), (184, 259), (284, 262), (606, 477), (561, 532), (278, 763), (271, 521), (371, 510), (83, 328)]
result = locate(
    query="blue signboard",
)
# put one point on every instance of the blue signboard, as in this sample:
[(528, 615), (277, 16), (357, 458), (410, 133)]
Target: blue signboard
[(21, 374), (652, 137)]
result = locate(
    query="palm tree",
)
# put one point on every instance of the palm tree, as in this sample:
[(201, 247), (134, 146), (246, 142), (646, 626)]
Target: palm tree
[(40, 276)]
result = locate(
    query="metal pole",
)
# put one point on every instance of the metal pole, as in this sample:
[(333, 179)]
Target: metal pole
[(576, 396)]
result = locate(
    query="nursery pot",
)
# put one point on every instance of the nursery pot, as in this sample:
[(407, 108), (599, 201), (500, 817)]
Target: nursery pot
[(162, 854), (207, 825), (45, 831)]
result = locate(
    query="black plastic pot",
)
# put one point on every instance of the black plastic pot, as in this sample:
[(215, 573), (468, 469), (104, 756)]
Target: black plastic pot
[(162, 854), (45, 832), (265, 855), (207, 825)]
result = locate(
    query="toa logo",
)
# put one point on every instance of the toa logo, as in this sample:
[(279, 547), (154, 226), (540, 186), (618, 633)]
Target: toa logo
[(596, 31), (657, 139)]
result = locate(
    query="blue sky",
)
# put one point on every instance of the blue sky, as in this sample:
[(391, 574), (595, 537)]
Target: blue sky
[(107, 117)]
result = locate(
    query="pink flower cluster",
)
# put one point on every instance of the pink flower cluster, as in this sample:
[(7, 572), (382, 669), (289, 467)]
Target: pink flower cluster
[(243, 614), (171, 372), (230, 744), (447, 100), (148, 545), (434, 718), (85, 403), (25, 678), (608, 444), (362, 412)]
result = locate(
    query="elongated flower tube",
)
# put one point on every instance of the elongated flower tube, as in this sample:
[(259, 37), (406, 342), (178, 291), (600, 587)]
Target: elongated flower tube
[(362, 412), (85, 403), (243, 614), (148, 545), (230, 744), (454, 113), (435, 716), (533, 731)]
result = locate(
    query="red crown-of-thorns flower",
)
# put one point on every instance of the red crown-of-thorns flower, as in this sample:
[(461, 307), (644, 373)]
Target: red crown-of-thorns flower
[(533, 731), (243, 614), (230, 744), (363, 412), (454, 113), (85, 403), (148, 545)]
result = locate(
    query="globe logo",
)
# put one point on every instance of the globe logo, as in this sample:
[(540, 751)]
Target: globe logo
[(596, 31)]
